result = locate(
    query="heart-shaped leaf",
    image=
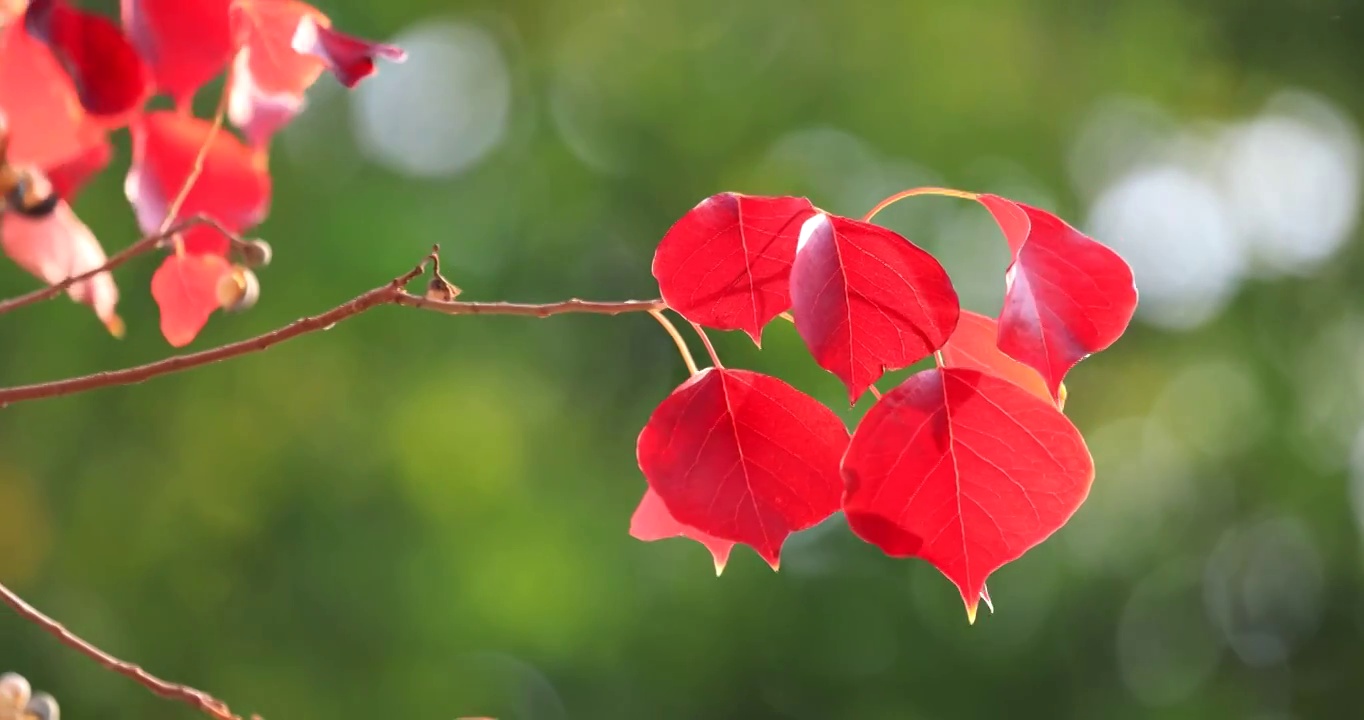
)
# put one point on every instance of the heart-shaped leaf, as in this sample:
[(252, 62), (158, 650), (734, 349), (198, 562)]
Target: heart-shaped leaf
[(652, 521), (1067, 295), (744, 457), (866, 300), (965, 470), (186, 289), (726, 264)]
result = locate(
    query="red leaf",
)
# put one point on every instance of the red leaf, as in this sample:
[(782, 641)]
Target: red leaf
[(186, 289), (69, 177), (349, 58), (1067, 296), (744, 457), (867, 300), (58, 246), (972, 346), (652, 521), (285, 46), (727, 263), (234, 187), (108, 74), (965, 470), (186, 43), (268, 76), (42, 114)]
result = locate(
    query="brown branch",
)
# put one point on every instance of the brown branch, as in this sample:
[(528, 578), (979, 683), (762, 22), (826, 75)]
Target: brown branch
[(198, 699), (144, 245), (545, 310), (391, 293)]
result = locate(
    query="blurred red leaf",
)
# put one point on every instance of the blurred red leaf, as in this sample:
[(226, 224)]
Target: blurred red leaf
[(972, 346), (652, 521), (42, 114), (269, 77), (744, 457), (1067, 296), (349, 58), (185, 43), (234, 187), (109, 76), (965, 470), (69, 177), (186, 289), (867, 300), (726, 264), (58, 246), (284, 47)]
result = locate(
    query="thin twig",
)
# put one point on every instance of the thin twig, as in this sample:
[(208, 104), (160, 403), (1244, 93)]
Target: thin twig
[(386, 293), (198, 699), (144, 245), (391, 293), (589, 307), (197, 168)]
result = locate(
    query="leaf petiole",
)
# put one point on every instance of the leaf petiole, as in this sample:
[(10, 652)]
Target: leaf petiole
[(948, 192), (677, 339), (710, 349)]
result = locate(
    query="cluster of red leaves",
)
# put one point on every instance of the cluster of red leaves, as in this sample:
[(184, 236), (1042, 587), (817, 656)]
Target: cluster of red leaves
[(967, 465), (69, 78)]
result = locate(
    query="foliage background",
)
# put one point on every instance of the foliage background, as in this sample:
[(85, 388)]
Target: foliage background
[(424, 517)]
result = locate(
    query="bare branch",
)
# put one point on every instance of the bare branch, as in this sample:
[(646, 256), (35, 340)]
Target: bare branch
[(391, 293), (144, 245), (198, 699), (545, 310)]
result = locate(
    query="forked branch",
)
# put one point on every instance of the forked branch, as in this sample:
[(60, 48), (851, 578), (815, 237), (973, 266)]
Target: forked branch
[(146, 244)]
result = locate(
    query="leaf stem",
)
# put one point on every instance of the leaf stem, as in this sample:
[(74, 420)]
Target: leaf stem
[(949, 192), (710, 349), (677, 339), (874, 392)]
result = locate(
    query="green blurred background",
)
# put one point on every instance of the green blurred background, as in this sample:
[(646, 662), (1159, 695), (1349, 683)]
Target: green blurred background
[(418, 516)]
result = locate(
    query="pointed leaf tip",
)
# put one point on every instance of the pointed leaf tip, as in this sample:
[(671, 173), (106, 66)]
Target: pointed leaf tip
[(971, 613), (867, 300), (58, 246), (956, 459), (744, 457), (349, 58), (652, 521), (726, 263)]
